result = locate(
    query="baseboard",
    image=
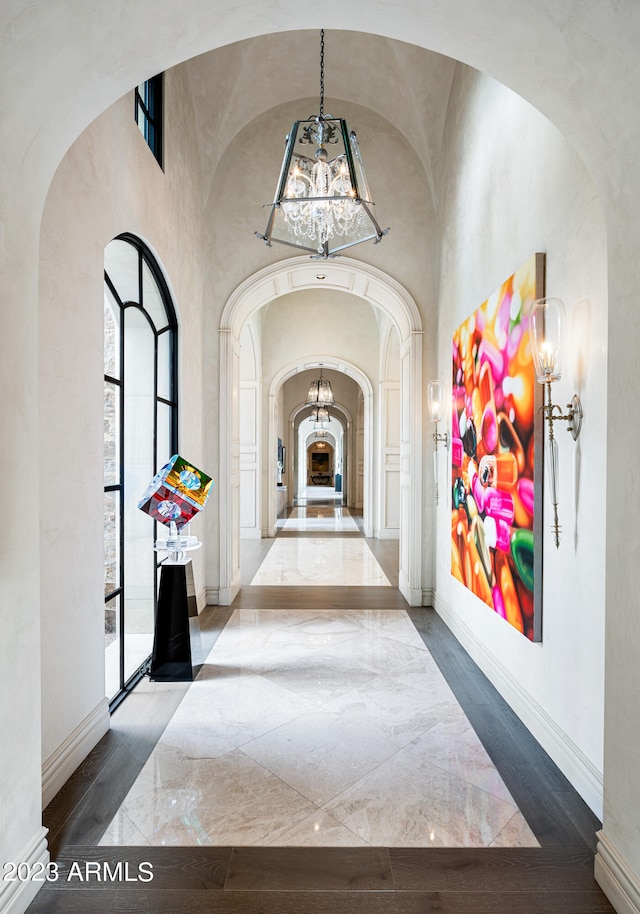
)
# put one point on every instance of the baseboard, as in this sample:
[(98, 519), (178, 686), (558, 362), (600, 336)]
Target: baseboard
[(427, 596), (59, 767), (573, 763), (15, 897), (226, 595), (250, 533), (201, 599), (413, 595), (388, 533), (615, 877), (212, 596)]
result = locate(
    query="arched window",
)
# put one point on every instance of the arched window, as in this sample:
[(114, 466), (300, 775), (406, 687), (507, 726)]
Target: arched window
[(140, 434)]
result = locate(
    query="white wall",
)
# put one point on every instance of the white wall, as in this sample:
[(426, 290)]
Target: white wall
[(512, 187), (107, 183)]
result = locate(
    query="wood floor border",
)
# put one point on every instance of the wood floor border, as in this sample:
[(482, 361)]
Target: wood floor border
[(555, 812), (336, 880)]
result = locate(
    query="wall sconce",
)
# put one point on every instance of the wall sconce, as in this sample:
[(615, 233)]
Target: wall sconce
[(547, 317), (435, 401)]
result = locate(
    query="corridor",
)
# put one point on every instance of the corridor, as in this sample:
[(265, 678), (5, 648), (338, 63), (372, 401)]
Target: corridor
[(332, 738), (315, 726)]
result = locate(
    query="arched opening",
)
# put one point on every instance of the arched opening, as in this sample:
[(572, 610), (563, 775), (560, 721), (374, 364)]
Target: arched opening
[(383, 293), (336, 435)]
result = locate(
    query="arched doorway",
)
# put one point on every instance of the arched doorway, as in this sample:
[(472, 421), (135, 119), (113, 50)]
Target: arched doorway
[(320, 463), (341, 434), (338, 434), (381, 291)]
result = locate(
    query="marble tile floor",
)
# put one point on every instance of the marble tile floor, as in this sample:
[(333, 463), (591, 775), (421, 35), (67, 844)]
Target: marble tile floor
[(319, 493), (318, 517), (319, 728), (317, 562)]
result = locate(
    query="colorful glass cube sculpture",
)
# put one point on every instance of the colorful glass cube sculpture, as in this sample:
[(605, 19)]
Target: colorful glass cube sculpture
[(177, 493)]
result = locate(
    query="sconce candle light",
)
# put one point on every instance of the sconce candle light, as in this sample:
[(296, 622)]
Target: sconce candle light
[(547, 318), (435, 401)]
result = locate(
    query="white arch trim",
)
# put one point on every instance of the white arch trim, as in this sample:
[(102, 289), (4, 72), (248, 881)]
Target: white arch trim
[(342, 274), (380, 290)]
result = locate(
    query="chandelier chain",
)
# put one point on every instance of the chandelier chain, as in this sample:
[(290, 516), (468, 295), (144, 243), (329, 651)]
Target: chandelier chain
[(321, 72)]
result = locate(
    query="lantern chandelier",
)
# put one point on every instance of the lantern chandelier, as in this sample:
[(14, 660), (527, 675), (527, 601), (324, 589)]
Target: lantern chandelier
[(319, 414), (320, 392), (322, 205)]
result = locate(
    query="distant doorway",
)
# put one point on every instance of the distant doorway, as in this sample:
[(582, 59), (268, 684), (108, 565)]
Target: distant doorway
[(320, 464)]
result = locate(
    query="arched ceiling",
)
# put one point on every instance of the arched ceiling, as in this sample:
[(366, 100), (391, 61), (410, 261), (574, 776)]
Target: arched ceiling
[(577, 62), (407, 86)]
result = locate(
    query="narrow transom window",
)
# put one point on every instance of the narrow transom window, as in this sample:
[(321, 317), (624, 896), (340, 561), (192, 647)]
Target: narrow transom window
[(149, 105)]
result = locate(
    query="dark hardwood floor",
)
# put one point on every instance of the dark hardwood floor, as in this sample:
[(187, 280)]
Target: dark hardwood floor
[(340, 881), (556, 878)]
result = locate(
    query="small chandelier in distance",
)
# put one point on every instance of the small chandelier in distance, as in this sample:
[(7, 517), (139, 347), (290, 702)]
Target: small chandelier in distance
[(319, 414), (322, 201)]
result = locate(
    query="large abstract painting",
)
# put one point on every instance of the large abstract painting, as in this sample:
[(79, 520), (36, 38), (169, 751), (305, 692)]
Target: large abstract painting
[(496, 462)]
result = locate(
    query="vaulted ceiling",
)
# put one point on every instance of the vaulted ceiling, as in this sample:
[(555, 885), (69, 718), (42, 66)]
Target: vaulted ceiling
[(406, 86)]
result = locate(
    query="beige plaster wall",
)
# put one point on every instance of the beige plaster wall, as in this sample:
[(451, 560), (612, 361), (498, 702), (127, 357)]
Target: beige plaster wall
[(108, 182), (512, 186)]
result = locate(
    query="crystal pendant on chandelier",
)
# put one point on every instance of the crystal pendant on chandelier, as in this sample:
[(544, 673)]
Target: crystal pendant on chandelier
[(322, 204)]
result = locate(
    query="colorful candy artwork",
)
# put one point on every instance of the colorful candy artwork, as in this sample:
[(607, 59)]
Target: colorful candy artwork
[(177, 493), (496, 470)]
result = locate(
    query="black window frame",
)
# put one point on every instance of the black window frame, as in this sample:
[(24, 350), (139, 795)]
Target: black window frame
[(149, 114), (145, 257)]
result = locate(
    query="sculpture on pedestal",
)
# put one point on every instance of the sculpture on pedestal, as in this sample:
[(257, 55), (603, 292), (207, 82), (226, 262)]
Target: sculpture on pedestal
[(174, 496)]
